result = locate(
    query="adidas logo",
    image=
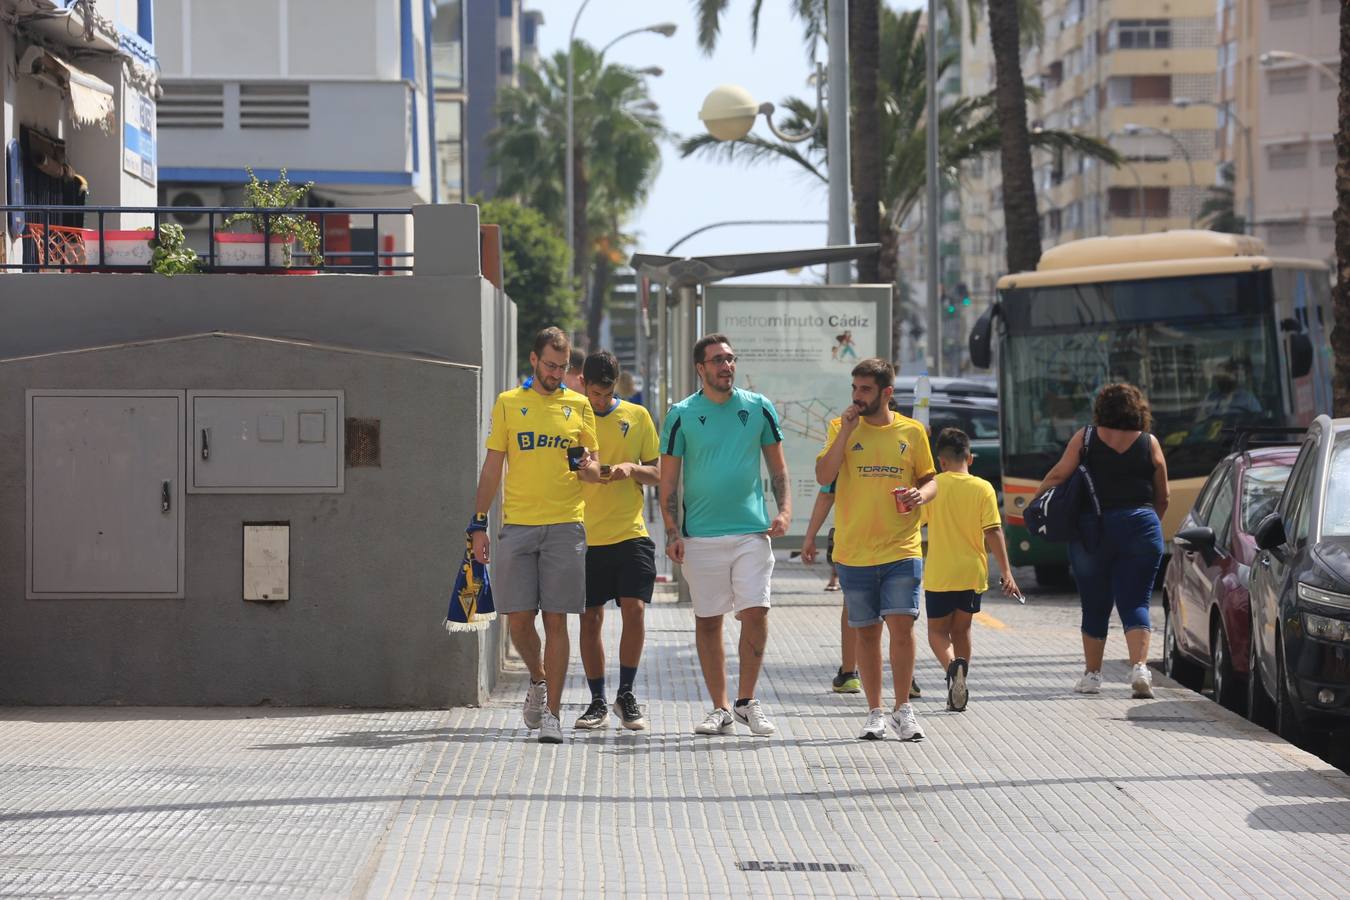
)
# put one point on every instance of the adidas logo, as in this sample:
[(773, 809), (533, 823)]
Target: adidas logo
[(857, 446)]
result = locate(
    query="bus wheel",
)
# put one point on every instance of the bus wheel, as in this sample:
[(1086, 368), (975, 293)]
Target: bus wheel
[(1052, 576)]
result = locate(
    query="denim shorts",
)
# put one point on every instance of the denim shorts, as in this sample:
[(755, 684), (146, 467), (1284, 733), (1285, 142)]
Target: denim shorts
[(873, 592), (1119, 571)]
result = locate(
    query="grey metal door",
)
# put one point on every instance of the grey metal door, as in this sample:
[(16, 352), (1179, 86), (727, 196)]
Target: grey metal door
[(105, 498)]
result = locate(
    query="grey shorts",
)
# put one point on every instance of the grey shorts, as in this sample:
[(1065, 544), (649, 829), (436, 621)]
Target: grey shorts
[(540, 567)]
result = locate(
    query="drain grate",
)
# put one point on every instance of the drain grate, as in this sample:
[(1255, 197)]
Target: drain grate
[(770, 865)]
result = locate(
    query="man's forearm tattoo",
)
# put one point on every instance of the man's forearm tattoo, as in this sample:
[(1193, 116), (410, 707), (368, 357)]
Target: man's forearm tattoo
[(779, 483), (673, 507)]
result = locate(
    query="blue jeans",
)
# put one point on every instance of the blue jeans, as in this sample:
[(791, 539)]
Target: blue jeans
[(874, 592), (1119, 570)]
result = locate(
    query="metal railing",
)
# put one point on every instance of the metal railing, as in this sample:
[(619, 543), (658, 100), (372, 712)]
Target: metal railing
[(59, 246)]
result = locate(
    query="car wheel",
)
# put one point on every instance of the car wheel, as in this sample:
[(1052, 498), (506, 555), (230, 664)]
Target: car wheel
[(1260, 708), (1050, 576), (1175, 665), (1287, 723), (1228, 688)]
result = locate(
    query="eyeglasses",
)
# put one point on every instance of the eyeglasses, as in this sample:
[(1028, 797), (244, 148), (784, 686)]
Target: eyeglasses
[(729, 360), (553, 368)]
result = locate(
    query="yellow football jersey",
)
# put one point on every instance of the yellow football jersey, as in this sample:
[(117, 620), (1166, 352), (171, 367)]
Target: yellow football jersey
[(614, 511), (869, 530), (957, 559), (535, 430)]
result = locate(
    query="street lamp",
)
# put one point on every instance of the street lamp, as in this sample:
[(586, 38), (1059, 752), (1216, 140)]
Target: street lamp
[(1274, 57), (1184, 102), (729, 112), (1132, 129), (665, 29)]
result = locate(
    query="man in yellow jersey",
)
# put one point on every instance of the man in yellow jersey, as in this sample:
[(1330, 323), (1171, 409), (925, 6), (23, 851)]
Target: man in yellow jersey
[(882, 471), (620, 557), (542, 434), (963, 528)]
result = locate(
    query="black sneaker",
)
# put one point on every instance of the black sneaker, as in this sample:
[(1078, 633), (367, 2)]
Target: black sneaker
[(846, 682), (958, 695), (914, 692), (629, 713), (595, 716)]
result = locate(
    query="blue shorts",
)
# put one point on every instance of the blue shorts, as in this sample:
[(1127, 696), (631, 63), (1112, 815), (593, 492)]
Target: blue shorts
[(943, 603), (873, 592)]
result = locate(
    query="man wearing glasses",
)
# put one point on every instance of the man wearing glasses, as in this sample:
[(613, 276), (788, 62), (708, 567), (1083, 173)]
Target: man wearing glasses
[(715, 437), (542, 434)]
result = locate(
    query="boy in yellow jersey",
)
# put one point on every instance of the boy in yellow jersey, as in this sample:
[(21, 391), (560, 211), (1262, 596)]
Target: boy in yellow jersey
[(541, 434), (882, 471), (620, 557), (963, 526)]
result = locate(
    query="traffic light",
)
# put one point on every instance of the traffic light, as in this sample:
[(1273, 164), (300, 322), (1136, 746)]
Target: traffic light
[(963, 292)]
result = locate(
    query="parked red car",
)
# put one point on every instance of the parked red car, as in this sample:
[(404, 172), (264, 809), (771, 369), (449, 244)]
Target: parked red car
[(1205, 599)]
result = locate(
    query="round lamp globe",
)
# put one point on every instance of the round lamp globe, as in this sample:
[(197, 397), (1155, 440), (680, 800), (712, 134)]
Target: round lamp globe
[(729, 112)]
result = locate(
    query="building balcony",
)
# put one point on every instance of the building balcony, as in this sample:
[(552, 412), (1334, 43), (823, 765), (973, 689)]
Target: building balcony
[(1191, 61)]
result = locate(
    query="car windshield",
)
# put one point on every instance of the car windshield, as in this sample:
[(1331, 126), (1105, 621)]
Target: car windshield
[(1336, 509), (1261, 488), (1202, 349), (978, 424)]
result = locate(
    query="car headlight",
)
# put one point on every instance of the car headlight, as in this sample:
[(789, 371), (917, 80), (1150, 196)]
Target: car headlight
[(1326, 598), (1325, 629)]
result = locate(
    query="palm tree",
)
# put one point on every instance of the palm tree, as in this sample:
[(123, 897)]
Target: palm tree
[(1022, 223), (1217, 212), (1340, 334), (617, 155), (968, 129)]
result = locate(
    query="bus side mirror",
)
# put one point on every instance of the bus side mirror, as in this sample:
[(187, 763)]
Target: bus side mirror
[(981, 336), (1300, 354)]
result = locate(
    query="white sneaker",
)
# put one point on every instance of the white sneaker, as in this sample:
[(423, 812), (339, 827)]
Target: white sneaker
[(752, 715), (550, 729), (719, 721), (1141, 682), (908, 723), (875, 729), (1090, 683), (534, 703)]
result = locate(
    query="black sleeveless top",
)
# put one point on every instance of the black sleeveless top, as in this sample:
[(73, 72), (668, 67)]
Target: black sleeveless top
[(1123, 480)]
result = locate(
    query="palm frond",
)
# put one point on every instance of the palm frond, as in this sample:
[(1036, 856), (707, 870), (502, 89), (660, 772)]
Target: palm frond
[(750, 150)]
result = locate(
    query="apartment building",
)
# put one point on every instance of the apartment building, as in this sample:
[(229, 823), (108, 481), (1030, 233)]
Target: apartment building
[(1277, 118), (336, 93), (78, 88), (1138, 74), (503, 38)]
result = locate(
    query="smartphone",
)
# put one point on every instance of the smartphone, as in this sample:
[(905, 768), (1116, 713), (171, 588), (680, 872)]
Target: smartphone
[(574, 457), (604, 471)]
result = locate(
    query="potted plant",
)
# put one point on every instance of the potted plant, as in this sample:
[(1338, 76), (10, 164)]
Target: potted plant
[(169, 255), (119, 247), (270, 217)]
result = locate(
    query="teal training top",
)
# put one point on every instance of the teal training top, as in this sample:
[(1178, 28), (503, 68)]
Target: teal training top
[(719, 449)]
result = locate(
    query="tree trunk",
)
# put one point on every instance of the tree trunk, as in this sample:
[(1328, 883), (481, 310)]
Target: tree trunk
[(580, 235), (1021, 223), (1340, 333), (595, 299), (864, 55)]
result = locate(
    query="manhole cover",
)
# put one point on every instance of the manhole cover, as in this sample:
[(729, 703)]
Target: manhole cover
[(772, 865)]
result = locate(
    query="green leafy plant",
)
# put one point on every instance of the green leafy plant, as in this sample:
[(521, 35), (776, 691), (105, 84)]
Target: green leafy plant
[(169, 255), (280, 195)]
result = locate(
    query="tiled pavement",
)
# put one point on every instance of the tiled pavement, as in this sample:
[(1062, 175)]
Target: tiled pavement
[(1034, 791)]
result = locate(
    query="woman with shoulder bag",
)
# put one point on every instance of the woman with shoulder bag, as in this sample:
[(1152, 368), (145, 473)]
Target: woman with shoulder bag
[(1118, 569)]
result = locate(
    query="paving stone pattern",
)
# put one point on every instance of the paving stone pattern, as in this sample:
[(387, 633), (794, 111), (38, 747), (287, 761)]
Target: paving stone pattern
[(1033, 792)]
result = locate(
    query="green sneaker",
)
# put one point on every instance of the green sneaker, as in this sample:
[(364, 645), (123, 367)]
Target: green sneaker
[(914, 692), (846, 683)]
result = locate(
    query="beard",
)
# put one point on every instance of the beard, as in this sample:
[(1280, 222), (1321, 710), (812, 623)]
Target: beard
[(549, 383), (870, 409)]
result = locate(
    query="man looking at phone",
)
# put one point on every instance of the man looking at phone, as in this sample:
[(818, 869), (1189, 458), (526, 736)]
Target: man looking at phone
[(620, 557), (544, 435)]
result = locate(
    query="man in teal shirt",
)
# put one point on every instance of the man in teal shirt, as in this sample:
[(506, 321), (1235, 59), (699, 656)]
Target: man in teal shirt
[(716, 438)]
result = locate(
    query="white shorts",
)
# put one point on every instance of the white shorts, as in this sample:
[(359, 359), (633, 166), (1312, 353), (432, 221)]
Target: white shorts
[(728, 574)]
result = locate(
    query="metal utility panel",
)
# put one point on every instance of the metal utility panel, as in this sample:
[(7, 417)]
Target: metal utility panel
[(266, 442), (105, 502)]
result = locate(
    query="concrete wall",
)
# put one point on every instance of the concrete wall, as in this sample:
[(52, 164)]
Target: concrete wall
[(370, 567)]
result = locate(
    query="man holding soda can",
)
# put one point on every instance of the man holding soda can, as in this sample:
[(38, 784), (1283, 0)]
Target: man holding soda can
[(882, 469), (544, 436)]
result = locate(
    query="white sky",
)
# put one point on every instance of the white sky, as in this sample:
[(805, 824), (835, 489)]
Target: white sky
[(694, 192)]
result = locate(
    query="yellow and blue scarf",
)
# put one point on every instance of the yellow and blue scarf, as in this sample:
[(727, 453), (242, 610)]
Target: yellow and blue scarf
[(471, 606)]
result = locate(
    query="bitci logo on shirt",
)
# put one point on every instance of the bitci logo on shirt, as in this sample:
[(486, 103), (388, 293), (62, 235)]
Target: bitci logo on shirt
[(528, 440)]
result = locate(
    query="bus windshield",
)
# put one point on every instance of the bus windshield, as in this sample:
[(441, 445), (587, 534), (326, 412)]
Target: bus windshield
[(1203, 349)]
